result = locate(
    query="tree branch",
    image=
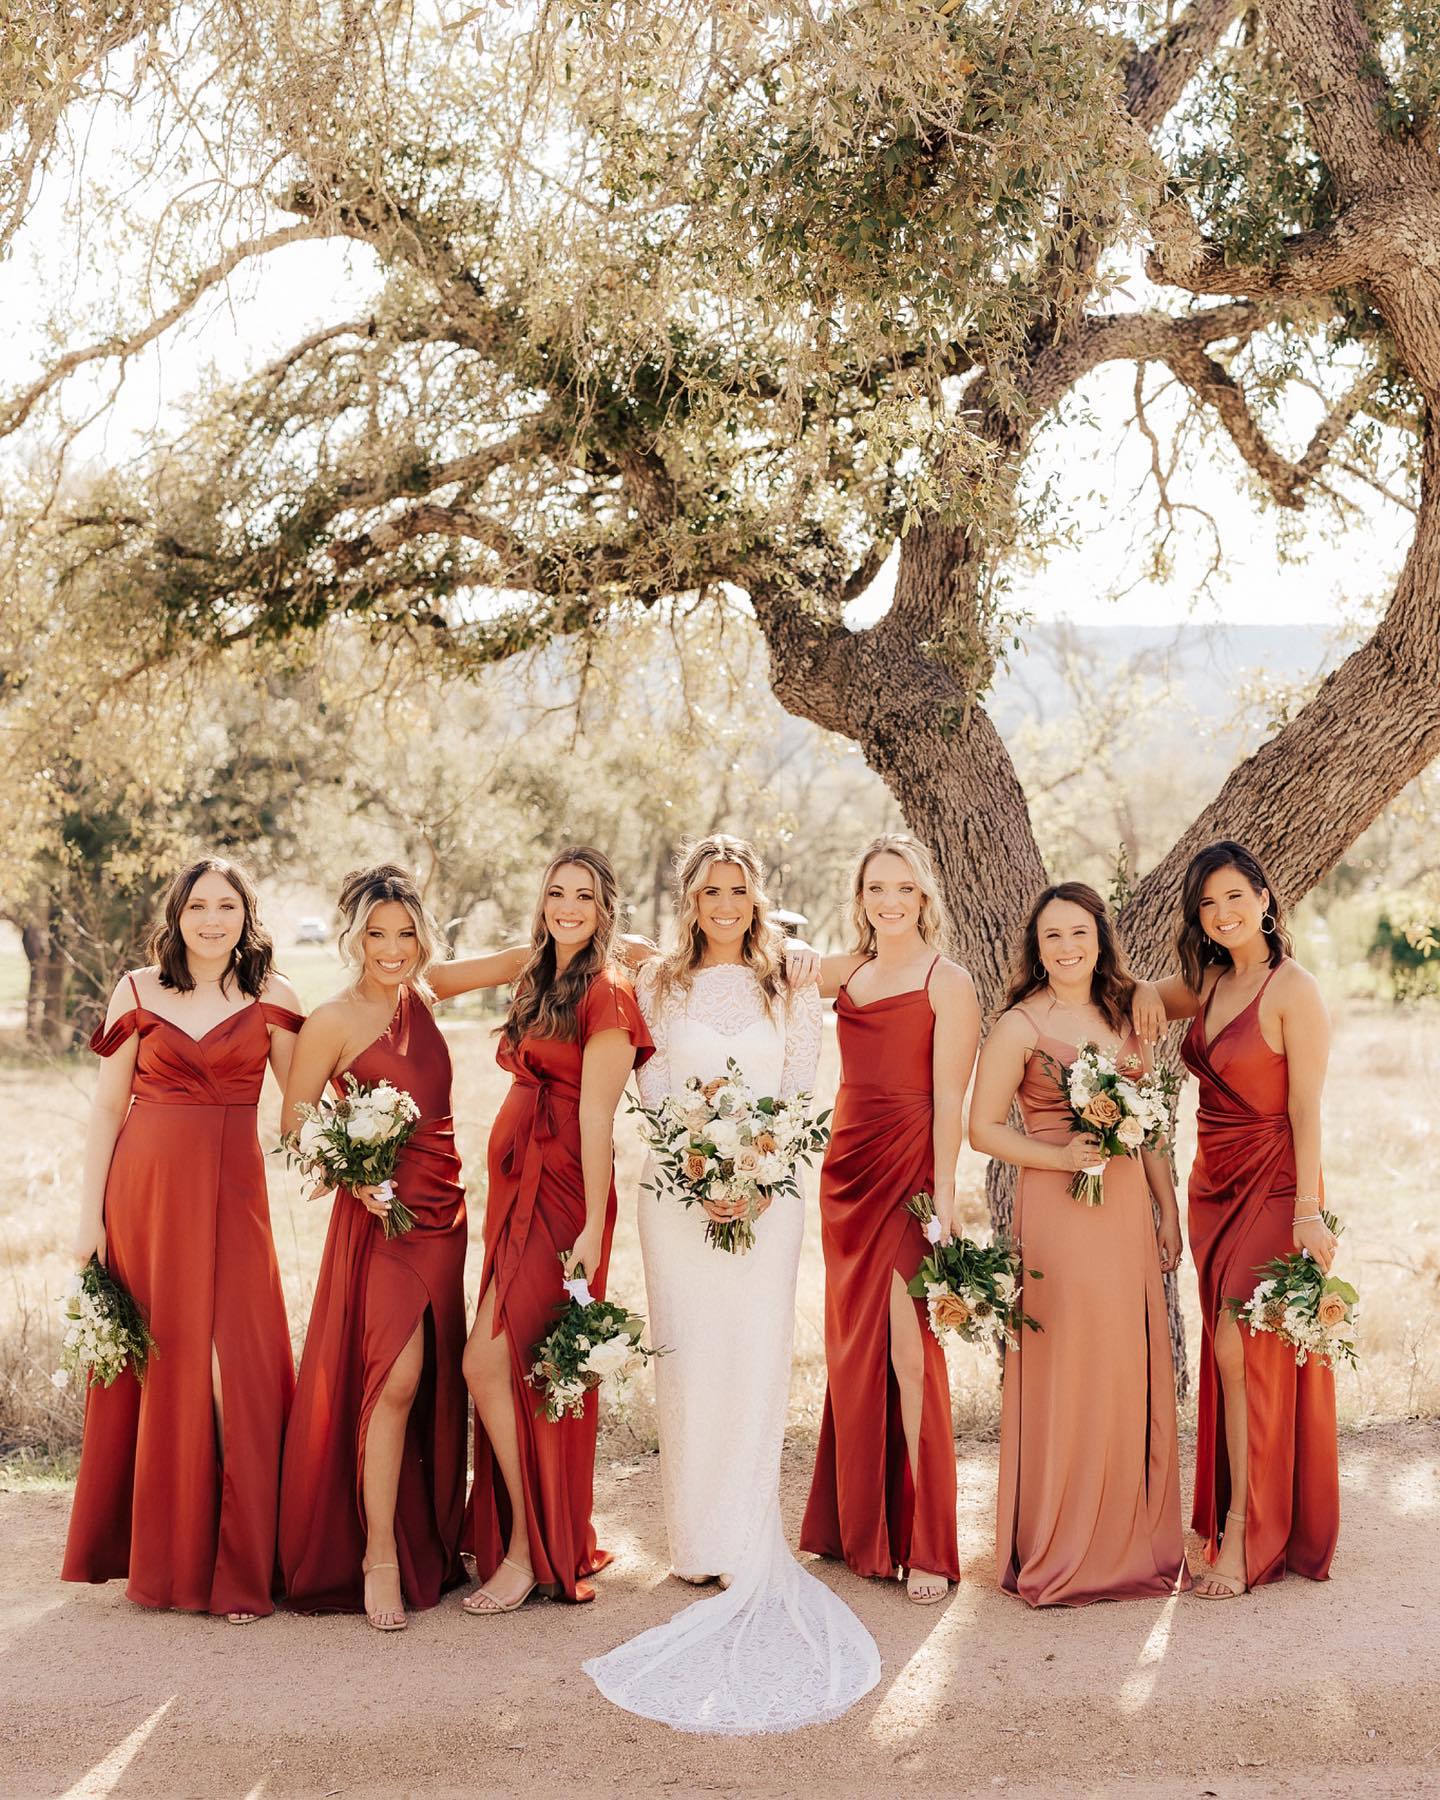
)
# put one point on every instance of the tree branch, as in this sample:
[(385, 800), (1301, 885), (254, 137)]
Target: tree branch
[(1156, 78), (19, 409)]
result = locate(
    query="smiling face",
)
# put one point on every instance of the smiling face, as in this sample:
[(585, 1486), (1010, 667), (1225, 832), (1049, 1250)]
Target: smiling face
[(212, 918), (1068, 942), (391, 945), (891, 895), (571, 914), (1230, 910), (725, 905)]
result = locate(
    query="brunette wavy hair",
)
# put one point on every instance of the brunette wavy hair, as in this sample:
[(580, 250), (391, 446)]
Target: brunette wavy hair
[(1112, 986), (933, 923), (361, 891), (1196, 948), (761, 947), (254, 953), (546, 1000)]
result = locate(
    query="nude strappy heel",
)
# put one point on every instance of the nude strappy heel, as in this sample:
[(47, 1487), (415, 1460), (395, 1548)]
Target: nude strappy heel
[(483, 1606), (373, 1619), (1226, 1587)]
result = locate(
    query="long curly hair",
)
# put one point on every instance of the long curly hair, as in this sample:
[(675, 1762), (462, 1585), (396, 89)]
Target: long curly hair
[(761, 948), (546, 1000), (361, 891), (1112, 986), (250, 960), (1196, 948), (934, 922)]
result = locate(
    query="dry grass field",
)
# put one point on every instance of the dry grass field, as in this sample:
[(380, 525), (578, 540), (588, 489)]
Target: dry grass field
[(1381, 1151)]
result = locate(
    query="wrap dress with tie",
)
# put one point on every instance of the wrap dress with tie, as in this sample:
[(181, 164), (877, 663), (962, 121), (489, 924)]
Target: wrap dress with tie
[(535, 1210)]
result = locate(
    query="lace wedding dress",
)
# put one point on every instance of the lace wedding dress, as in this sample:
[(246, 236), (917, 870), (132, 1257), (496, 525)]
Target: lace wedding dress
[(775, 1649)]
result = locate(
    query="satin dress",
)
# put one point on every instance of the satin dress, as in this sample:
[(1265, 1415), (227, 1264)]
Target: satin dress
[(187, 1222), (1088, 1506), (864, 1505), (1242, 1206), (535, 1210), (371, 1293)]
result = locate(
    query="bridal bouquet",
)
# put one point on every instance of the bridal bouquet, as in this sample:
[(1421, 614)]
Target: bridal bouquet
[(716, 1140), (354, 1140), (1312, 1312), (1115, 1102), (593, 1343), (970, 1290), (105, 1329)]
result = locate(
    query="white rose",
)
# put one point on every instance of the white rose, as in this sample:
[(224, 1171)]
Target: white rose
[(747, 1162), (725, 1135), (312, 1138), (365, 1126), (771, 1170), (609, 1358), (1131, 1133)]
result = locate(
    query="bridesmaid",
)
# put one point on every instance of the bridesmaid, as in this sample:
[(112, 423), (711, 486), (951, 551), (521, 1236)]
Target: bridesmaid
[(1089, 1499), (179, 1479), (883, 1493), (374, 1478), (571, 1037), (1267, 1480)]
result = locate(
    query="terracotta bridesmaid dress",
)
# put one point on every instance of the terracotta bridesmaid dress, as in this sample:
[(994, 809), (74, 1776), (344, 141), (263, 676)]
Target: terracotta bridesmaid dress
[(535, 1210), (187, 1224), (1089, 1497), (370, 1295), (1242, 1203), (864, 1505)]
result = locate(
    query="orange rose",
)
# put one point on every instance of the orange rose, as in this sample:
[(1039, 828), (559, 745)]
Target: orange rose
[(949, 1312), (712, 1088), (1331, 1310), (695, 1165), (765, 1142), (1102, 1112)]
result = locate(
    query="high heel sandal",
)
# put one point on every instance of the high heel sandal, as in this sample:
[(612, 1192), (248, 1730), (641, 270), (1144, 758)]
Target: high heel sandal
[(374, 1618), (1226, 1587), (483, 1606)]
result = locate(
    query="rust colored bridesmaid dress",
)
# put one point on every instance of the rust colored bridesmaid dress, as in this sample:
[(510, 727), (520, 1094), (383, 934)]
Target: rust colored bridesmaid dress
[(1089, 1497), (187, 1224), (370, 1295), (535, 1210), (864, 1504), (1242, 1203)]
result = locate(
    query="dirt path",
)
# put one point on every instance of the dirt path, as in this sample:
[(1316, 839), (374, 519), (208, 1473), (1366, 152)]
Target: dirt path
[(1305, 1689)]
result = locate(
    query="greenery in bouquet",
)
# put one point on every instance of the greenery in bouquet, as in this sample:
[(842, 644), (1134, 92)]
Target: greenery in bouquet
[(593, 1343), (1114, 1100), (354, 1139), (105, 1330), (971, 1291), (1313, 1312)]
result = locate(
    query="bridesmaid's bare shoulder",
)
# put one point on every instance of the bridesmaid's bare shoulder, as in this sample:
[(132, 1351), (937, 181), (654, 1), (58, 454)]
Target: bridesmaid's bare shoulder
[(1295, 989), (331, 1020), (279, 990), (951, 984), (1014, 1031)]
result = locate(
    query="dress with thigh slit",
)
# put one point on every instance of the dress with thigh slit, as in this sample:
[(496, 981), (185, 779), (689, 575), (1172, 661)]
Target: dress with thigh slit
[(864, 1504), (535, 1209), (1088, 1506), (1242, 1203), (371, 1293), (190, 1524)]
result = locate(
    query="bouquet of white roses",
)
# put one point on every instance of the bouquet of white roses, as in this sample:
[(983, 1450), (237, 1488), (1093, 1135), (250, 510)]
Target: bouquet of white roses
[(593, 1343), (1313, 1312), (717, 1141), (355, 1139), (1115, 1102), (105, 1329), (970, 1290)]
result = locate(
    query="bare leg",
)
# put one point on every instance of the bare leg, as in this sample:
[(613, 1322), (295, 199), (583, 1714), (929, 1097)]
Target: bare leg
[(217, 1394), (487, 1375), (1227, 1576), (380, 1480), (907, 1358)]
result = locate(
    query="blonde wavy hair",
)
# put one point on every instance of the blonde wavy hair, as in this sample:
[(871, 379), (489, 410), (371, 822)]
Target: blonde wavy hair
[(934, 922), (761, 948), (361, 892), (546, 1001)]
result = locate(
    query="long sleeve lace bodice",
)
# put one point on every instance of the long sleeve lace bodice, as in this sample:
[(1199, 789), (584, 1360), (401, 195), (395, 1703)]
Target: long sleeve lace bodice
[(722, 1014)]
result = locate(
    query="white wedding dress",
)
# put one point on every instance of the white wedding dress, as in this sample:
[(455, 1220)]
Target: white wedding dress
[(776, 1649)]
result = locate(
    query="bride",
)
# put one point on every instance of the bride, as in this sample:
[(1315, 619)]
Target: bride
[(775, 1649)]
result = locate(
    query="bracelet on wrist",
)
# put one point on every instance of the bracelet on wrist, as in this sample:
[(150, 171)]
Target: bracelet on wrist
[(1307, 1218)]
